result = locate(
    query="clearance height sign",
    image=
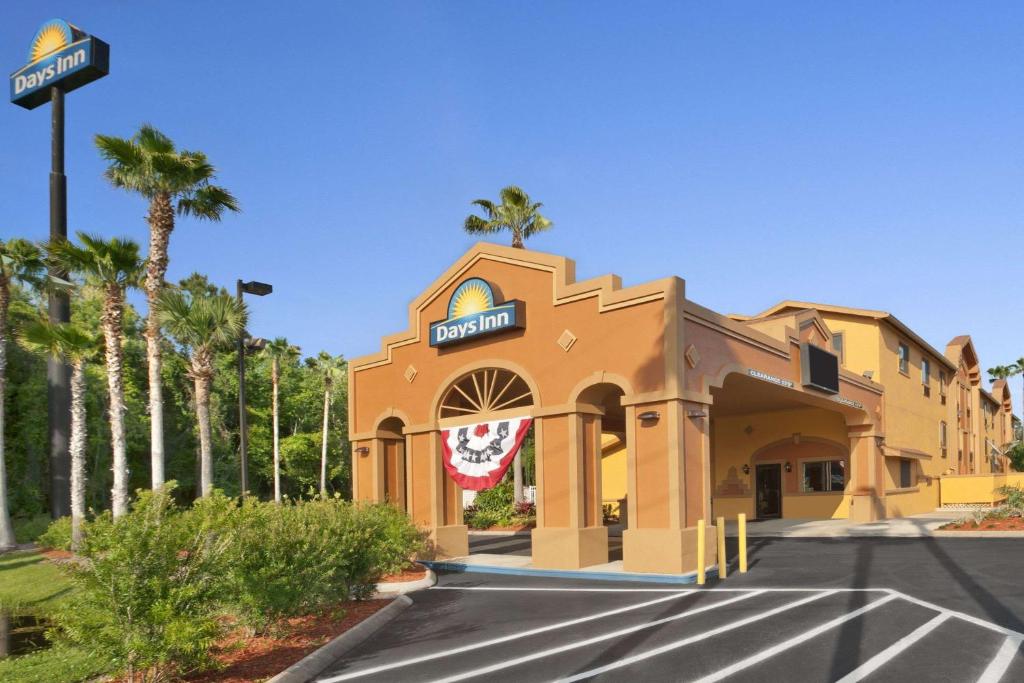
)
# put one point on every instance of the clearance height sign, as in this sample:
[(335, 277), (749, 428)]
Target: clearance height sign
[(61, 55)]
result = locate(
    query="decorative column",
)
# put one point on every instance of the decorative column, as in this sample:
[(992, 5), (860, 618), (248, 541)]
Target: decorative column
[(570, 531), (668, 456), (867, 502)]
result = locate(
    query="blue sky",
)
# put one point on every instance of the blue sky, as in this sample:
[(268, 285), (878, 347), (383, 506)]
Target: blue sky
[(863, 154)]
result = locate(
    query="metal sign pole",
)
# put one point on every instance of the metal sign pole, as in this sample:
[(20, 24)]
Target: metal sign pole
[(58, 372)]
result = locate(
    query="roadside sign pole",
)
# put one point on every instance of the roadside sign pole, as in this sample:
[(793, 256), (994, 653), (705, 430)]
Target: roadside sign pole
[(58, 372)]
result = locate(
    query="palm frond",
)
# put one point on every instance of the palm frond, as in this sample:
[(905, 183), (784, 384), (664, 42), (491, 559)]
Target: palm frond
[(201, 323), (153, 141), (208, 202), (476, 225)]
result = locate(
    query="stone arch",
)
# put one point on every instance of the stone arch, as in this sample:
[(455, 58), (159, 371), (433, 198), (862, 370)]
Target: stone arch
[(791, 449)]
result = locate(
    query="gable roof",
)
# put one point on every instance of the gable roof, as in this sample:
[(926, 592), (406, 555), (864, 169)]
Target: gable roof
[(883, 316)]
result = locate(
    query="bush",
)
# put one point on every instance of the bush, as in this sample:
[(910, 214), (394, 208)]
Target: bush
[(1014, 498), (57, 535), (155, 586), (148, 593), (301, 556), (496, 499), (28, 529)]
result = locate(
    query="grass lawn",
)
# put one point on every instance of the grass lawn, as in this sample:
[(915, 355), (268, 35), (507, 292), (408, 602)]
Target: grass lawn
[(30, 584)]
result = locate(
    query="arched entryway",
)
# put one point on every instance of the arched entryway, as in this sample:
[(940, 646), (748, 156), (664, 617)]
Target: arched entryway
[(391, 457), (488, 397), (604, 466)]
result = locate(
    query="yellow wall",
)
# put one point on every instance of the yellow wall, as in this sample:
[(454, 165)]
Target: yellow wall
[(978, 488), (736, 438), (613, 470), (860, 341)]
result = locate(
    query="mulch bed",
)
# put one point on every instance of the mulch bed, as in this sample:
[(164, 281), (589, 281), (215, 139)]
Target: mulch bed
[(1007, 524), (261, 657), (414, 573), (520, 527)]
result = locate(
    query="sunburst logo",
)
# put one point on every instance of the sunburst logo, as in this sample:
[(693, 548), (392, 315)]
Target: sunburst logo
[(472, 296), (51, 37)]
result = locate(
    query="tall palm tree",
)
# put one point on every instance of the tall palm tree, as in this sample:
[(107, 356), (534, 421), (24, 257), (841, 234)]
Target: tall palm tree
[(114, 265), (76, 346), (332, 369), (278, 350), (516, 213), (173, 181), (1002, 371), (20, 261), (202, 325)]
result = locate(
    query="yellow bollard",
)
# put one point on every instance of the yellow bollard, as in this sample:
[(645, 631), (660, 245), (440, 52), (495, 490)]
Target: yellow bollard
[(721, 548), (700, 552), (741, 522)]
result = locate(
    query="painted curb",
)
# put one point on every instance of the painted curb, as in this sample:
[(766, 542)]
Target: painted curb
[(403, 587), (459, 567), (499, 532), (978, 534), (315, 663)]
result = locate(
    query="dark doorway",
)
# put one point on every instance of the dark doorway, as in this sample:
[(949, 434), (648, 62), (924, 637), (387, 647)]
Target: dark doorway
[(769, 491)]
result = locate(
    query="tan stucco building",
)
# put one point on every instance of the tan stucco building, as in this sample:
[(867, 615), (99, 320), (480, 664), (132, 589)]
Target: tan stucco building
[(801, 411)]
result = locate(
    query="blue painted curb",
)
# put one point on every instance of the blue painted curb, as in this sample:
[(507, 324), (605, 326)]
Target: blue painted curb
[(461, 567)]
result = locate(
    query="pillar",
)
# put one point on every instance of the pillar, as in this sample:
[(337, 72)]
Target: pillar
[(669, 482), (570, 531), (867, 501)]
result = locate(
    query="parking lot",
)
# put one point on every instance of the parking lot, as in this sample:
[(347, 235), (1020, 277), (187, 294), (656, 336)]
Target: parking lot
[(507, 628)]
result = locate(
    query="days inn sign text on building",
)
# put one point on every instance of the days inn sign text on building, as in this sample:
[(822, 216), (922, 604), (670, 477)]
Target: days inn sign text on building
[(472, 313), (61, 55)]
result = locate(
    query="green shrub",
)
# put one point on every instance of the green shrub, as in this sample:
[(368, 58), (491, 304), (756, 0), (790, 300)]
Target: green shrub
[(57, 535), (301, 556), (496, 499), (1014, 497), (28, 529), (150, 588)]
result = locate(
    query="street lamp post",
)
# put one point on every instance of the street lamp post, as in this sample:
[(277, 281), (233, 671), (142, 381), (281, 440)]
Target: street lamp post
[(258, 289)]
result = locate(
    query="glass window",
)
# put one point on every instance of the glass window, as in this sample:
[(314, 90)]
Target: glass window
[(943, 443), (906, 472), (824, 475), (904, 354), (926, 371)]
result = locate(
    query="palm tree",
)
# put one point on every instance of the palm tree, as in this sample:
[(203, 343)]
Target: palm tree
[(114, 265), (516, 213), (202, 325), (331, 369), (75, 346), (1002, 371), (173, 181), (278, 350), (20, 261)]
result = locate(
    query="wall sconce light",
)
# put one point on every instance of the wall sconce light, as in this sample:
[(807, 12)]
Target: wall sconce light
[(789, 467), (746, 469), (696, 413), (363, 450), (649, 415)]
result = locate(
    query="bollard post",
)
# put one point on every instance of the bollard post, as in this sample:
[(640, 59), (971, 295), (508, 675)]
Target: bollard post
[(741, 521), (700, 552), (722, 564)]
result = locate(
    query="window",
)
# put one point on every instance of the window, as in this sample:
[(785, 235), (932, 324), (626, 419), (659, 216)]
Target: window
[(825, 475), (942, 387), (906, 473), (838, 345), (904, 354), (926, 376), (943, 443)]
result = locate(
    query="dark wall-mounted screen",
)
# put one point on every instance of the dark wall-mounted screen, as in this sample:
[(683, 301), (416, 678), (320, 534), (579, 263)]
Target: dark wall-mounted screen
[(820, 368)]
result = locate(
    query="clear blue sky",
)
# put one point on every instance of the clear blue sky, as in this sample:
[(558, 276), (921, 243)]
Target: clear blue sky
[(865, 154)]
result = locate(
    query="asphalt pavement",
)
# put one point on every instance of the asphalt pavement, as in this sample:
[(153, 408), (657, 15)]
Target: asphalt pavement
[(879, 609)]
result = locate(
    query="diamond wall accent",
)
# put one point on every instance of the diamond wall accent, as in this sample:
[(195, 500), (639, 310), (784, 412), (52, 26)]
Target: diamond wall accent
[(567, 340), (410, 374), (692, 356)]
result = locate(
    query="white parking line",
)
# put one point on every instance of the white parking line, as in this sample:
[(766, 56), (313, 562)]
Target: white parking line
[(1001, 662), (694, 639), (565, 590), (883, 657), (499, 666), (504, 639)]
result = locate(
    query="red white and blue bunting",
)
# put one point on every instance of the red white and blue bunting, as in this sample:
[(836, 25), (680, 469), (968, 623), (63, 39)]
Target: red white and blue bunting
[(478, 455)]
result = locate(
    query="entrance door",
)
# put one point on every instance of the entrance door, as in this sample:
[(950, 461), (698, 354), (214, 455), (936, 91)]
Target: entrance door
[(769, 491)]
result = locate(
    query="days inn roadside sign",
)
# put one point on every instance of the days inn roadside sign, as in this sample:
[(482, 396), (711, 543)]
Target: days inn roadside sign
[(61, 55), (473, 313)]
